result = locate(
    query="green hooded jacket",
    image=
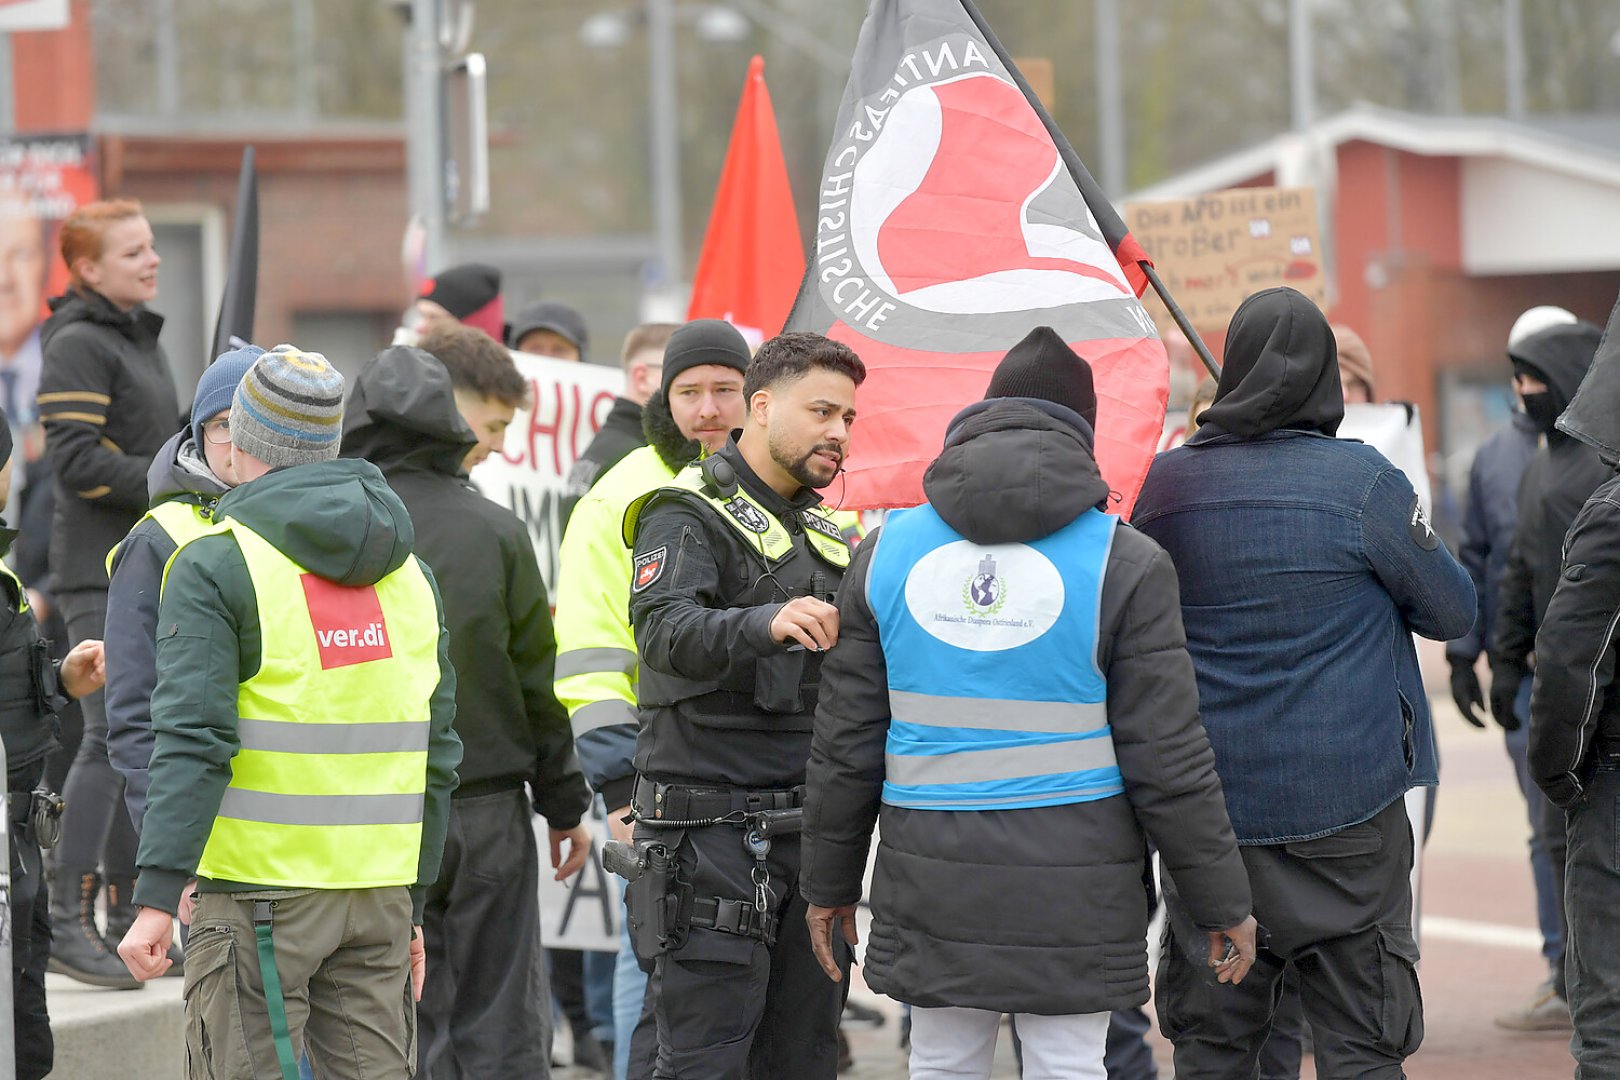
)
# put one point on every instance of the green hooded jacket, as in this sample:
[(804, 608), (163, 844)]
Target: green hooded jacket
[(338, 519)]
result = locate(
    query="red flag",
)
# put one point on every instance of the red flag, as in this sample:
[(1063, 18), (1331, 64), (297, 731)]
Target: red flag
[(753, 259), (953, 218)]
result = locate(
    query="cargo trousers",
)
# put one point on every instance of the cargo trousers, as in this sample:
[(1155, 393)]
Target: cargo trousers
[(343, 958)]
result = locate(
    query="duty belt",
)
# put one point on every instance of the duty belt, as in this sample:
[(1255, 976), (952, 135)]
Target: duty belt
[(680, 802)]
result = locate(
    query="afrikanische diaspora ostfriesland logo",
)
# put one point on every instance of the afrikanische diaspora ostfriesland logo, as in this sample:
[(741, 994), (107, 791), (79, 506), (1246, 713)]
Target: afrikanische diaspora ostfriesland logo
[(985, 592)]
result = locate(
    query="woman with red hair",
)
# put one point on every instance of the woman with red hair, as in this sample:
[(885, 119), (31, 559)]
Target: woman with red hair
[(107, 402)]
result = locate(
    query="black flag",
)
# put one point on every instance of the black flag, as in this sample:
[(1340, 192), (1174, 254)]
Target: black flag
[(235, 326)]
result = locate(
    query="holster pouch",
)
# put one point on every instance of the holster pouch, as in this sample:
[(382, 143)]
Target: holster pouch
[(659, 903), (47, 686), (779, 683)]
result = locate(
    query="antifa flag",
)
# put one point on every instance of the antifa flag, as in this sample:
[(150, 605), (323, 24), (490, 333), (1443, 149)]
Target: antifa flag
[(752, 261), (235, 326), (952, 218)]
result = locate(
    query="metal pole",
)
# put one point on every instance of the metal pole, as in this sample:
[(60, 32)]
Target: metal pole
[(664, 114), (1301, 65), (1110, 100), (424, 127), (8, 100), (1181, 320), (1513, 56)]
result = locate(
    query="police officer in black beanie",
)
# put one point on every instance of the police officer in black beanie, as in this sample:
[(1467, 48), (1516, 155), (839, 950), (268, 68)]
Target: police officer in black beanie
[(33, 687)]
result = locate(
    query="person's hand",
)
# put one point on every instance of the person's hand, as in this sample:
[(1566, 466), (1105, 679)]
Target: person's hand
[(1231, 952), (1465, 691), (579, 848), (145, 949), (84, 669), (418, 963), (620, 829), (1505, 682), (810, 622), (188, 903), (821, 920)]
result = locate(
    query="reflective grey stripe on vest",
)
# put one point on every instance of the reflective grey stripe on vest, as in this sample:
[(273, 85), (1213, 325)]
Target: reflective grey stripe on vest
[(1083, 793), (1001, 763), (275, 809), (601, 714), (1046, 717), (595, 661), (291, 737)]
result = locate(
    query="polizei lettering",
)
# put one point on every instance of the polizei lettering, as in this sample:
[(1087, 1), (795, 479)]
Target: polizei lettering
[(847, 291)]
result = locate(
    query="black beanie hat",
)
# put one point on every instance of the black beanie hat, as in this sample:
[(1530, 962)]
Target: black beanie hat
[(703, 341), (462, 290), (1043, 366)]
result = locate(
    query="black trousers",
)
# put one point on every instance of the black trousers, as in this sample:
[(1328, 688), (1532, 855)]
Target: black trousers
[(1340, 909), (1592, 905), (486, 1008), (730, 1007), (96, 827), (30, 941)]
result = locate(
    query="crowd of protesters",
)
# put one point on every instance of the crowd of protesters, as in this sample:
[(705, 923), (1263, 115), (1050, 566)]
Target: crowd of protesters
[(336, 697)]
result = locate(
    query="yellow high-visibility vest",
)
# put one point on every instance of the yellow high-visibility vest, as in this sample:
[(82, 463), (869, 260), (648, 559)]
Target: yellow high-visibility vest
[(328, 786), (184, 521)]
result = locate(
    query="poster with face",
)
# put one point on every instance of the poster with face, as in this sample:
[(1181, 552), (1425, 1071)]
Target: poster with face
[(43, 179)]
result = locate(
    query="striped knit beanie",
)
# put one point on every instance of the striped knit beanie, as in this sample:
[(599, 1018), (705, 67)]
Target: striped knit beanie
[(288, 408)]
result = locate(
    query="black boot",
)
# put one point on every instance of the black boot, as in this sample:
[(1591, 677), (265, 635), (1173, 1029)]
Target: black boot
[(121, 916), (77, 948)]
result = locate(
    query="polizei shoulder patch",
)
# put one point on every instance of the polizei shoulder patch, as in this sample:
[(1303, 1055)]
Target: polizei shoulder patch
[(648, 568), (1423, 534)]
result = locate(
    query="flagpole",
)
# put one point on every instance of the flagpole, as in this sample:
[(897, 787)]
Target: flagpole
[(1113, 229)]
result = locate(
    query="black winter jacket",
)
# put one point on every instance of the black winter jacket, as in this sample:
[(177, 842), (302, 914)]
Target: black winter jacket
[(1574, 703), (402, 417), (107, 400), (1560, 478), (1488, 525), (1039, 910)]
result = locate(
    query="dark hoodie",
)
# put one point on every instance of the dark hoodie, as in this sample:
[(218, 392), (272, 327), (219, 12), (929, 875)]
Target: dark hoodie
[(179, 473), (1282, 369), (402, 417), (1560, 478), (107, 400), (1069, 937), (336, 519)]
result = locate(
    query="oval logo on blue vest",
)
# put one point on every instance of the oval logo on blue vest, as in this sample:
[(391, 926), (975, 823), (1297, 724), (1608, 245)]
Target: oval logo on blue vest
[(987, 599)]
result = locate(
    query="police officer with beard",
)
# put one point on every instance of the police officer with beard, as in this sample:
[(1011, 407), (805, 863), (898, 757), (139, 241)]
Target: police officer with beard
[(735, 568)]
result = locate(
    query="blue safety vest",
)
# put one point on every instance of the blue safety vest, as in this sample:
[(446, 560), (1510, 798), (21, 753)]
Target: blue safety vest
[(995, 697)]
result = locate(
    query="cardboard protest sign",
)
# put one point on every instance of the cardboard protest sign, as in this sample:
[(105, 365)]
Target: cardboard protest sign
[(1217, 249)]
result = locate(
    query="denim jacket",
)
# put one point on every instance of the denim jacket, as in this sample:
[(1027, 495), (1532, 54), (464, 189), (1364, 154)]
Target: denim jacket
[(1306, 565)]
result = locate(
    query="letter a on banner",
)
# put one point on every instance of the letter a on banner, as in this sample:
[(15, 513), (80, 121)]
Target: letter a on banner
[(952, 218)]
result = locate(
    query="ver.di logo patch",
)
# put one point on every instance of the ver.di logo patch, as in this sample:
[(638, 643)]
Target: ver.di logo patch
[(348, 622)]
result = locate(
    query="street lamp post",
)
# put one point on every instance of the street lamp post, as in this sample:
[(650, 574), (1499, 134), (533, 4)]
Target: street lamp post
[(664, 115)]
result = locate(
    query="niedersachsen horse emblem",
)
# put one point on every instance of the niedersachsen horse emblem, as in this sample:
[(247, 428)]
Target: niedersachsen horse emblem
[(985, 592), (750, 516)]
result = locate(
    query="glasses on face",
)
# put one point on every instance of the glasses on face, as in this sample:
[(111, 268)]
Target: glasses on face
[(218, 431)]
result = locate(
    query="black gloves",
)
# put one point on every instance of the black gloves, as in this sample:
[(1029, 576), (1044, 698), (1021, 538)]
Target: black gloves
[(1505, 680), (1465, 691)]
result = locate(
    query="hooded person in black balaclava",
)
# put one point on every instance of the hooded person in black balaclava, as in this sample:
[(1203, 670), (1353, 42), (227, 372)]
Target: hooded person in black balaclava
[(1561, 476), (1574, 751)]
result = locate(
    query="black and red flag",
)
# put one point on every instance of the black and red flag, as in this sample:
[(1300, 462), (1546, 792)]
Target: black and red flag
[(236, 306), (952, 218)]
